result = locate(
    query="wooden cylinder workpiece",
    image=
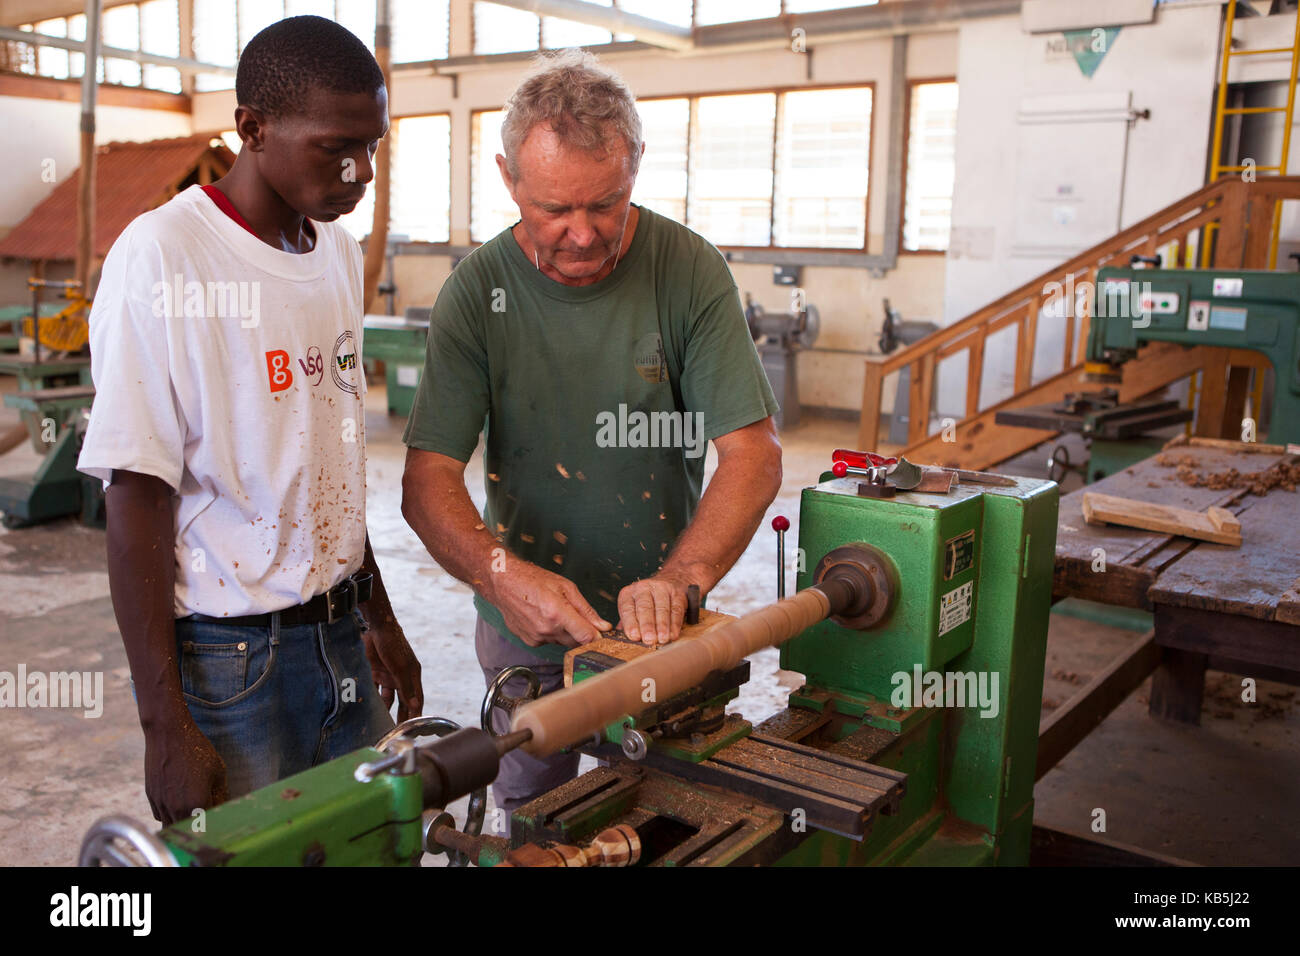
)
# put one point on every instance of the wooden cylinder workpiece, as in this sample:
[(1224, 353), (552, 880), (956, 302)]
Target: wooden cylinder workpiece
[(575, 713)]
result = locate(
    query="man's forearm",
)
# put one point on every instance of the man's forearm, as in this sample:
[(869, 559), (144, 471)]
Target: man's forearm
[(140, 531), (437, 506), (730, 510)]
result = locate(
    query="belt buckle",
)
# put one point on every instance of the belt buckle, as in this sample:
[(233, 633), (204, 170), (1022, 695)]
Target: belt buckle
[(346, 588)]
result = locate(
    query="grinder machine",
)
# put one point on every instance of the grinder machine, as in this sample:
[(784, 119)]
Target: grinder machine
[(919, 625)]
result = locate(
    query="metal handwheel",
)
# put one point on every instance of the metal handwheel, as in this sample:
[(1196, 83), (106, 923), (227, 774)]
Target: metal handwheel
[(496, 698), (106, 841), (474, 814)]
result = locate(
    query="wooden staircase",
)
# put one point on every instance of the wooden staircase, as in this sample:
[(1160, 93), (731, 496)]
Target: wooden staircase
[(1228, 223)]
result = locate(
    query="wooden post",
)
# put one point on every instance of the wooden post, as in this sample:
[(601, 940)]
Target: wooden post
[(918, 405), (974, 375), (377, 244), (1214, 383), (86, 182), (869, 424)]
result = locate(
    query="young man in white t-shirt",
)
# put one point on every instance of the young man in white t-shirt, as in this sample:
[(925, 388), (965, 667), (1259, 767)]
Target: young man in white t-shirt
[(229, 427)]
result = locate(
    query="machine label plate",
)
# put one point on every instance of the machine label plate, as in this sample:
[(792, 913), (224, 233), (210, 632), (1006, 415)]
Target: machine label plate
[(954, 607), (1226, 286), (1222, 317), (958, 554)]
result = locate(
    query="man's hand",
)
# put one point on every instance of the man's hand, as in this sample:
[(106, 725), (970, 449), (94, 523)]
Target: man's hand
[(652, 610), (394, 667), (540, 607), (182, 770)]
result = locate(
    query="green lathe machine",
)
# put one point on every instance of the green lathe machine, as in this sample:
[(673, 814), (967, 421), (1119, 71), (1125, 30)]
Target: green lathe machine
[(920, 625)]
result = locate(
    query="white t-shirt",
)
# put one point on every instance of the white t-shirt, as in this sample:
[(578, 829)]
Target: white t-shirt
[(232, 371)]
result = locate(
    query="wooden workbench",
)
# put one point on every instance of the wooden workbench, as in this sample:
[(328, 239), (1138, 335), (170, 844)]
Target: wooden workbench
[(1215, 606)]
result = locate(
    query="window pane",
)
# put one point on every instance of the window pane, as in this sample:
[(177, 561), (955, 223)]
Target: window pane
[(160, 33), (255, 16), (728, 11), (360, 220), (731, 169), (51, 61), (215, 42), (490, 207), (810, 6), (359, 17), (557, 33), (669, 11), (121, 28), (661, 182), (76, 31), (821, 179), (420, 30), (301, 8), (931, 166), (503, 30), (421, 197)]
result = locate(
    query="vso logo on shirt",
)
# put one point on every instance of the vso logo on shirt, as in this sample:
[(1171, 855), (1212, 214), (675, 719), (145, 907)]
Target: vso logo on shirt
[(649, 358), (343, 367)]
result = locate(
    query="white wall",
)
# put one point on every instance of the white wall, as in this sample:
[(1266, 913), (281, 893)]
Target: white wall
[(1168, 67)]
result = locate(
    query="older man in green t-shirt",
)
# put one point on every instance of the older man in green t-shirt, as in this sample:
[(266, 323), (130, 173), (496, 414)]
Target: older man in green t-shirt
[(598, 347)]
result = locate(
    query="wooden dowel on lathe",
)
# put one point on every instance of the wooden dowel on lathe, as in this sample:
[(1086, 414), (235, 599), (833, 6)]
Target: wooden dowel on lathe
[(575, 713)]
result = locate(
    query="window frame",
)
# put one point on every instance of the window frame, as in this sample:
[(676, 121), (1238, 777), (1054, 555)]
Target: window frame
[(451, 152), (912, 83), (779, 92)]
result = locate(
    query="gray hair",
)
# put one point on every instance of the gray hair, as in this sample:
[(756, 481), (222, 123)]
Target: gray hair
[(581, 101)]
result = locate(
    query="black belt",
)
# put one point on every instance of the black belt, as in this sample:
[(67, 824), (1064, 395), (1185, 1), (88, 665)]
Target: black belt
[(334, 605)]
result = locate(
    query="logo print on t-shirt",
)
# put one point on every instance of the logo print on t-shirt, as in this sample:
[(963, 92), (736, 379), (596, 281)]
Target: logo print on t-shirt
[(278, 371), (313, 364), (649, 358), (344, 362)]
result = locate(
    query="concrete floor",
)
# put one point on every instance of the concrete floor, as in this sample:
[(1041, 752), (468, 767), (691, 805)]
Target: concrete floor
[(1227, 792)]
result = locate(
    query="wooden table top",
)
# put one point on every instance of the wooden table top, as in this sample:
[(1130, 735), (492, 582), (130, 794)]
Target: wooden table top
[(1143, 568)]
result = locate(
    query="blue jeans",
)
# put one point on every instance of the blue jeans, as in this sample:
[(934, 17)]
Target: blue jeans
[(275, 701)]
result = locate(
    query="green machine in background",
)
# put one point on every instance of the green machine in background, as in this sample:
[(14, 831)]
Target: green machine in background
[(1242, 309), (913, 739), (1238, 309), (400, 344)]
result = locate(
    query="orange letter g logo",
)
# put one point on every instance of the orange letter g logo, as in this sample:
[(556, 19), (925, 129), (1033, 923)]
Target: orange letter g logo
[(278, 371)]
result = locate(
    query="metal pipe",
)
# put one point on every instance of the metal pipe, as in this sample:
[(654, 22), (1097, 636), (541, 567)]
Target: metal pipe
[(655, 32), (184, 64), (86, 183)]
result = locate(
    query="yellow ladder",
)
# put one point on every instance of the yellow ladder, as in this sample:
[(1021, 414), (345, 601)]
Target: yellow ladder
[(1221, 109)]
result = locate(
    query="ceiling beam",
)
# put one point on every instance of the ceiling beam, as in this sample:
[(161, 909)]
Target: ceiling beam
[(655, 32)]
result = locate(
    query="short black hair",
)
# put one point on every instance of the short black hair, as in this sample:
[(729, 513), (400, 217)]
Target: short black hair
[(283, 62)]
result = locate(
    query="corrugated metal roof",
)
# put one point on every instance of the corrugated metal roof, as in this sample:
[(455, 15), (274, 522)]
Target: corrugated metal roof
[(130, 179)]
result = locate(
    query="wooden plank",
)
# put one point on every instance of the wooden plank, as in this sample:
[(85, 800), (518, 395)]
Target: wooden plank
[(974, 376), (1216, 525), (1026, 337), (1234, 402), (1093, 702), (1259, 230), (1288, 605), (1216, 634), (921, 388), (869, 424), (1228, 444), (1230, 238), (1252, 581)]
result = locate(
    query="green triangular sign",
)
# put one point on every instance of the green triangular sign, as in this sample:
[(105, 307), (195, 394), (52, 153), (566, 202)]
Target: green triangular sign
[(1089, 46)]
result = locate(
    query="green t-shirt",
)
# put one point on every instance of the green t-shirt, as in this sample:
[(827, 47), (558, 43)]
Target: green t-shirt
[(596, 401)]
